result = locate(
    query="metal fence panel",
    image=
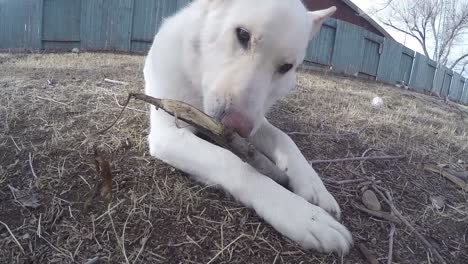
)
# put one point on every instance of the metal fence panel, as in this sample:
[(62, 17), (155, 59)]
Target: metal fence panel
[(464, 96), (406, 65), (423, 73), (320, 49), (61, 20), (390, 61), (447, 82), (453, 92), (371, 57), (61, 24), (148, 18), (106, 24), (183, 3), (348, 37), (462, 84), (20, 26), (438, 80)]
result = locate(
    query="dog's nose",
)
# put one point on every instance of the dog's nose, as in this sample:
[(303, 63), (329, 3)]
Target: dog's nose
[(238, 122)]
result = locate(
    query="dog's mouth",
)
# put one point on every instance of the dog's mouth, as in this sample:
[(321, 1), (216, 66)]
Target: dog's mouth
[(238, 122)]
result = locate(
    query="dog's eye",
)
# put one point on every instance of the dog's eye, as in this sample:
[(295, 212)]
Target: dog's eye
[(283, 69), (243, 35)]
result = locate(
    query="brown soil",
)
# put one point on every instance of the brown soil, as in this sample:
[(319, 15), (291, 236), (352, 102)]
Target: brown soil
[(51, 103)]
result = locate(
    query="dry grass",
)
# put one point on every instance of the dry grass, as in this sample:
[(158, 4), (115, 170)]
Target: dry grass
[(51, 103)]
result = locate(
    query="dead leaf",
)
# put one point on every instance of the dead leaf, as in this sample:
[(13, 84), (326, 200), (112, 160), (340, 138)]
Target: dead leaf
[(103, 168), (104, 174)]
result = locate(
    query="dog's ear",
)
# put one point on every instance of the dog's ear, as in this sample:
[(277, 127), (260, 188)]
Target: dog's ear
[(318, 17)]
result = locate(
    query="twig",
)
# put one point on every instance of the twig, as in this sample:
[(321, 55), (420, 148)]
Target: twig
[(14, 238), (358, 159), (31, 166), (92, 261), (390, 243), (423, 240), (344, 182), (143, 244), (131, 108), (391, 234), (378, 214), (115, 82), (14, 142), (123, 235), (117, 236), (305, 134), (51, 100), (367, 254), (339, 134), (226, 247), (108, 211)]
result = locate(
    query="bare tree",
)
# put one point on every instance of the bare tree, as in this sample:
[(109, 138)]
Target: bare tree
[(440, 27)]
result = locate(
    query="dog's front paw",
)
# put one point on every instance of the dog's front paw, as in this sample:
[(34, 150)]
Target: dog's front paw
[(316, 193), (308, 225)]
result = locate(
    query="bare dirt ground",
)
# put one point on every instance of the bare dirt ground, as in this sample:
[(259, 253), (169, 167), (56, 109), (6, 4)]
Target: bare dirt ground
[(50, 104)]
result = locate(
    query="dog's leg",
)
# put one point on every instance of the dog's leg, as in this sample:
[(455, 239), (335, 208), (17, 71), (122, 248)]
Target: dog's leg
[(303, 179), (290, 214)]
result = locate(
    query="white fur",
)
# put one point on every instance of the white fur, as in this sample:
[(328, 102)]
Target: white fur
[(196, 58)]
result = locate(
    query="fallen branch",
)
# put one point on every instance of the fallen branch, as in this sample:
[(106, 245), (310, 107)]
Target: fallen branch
[(313, 162), (423, 240), (378, 214), (115, 82), (459, 178), (213, 130)]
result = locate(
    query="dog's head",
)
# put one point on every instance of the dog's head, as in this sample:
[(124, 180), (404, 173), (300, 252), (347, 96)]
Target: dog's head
[(249, 54)]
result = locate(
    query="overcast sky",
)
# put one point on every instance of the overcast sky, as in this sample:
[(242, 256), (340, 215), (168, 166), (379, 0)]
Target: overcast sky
[(410, 42)]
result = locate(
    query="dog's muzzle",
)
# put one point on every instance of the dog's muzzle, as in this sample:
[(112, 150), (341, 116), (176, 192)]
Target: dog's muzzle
[(238, 122)]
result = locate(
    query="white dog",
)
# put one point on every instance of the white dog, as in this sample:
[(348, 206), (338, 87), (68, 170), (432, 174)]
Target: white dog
[(234, 59)]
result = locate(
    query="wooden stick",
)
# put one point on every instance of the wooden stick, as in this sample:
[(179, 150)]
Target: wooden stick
[(215, 131), (343, 182), (459, 178), (390, 243), (423, 240), (358, 159), (378, 214), (115, 82)]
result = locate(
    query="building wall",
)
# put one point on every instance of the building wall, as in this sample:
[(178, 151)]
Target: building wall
[(344, 13)]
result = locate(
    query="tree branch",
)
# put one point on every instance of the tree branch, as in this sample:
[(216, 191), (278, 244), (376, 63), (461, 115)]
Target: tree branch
[(458, 61)]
